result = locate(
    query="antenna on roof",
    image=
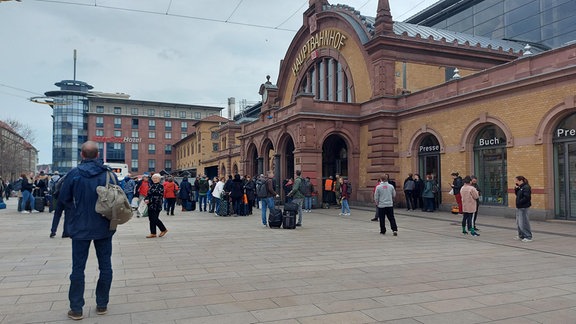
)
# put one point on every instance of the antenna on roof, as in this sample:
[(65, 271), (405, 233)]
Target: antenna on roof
[(74, 65)]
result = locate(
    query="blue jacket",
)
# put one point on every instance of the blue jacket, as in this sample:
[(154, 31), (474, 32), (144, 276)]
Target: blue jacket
[(79, 196)]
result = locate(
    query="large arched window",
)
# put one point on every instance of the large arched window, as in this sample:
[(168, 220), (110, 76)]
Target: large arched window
[(327, 80)]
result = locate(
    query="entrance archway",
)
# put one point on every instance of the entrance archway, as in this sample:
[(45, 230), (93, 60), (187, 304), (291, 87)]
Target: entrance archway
[(334, 157)]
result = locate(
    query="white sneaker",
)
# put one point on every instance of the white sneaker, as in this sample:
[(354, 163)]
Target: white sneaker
[(23, 212), (526, 240), (348, 214), (340, 214), (517, 238)]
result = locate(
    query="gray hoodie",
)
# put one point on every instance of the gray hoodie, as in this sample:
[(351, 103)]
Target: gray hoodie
[(384, 195)]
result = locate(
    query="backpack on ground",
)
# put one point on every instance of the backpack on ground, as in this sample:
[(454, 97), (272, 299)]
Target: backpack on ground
[(261, 189), (112, 202)]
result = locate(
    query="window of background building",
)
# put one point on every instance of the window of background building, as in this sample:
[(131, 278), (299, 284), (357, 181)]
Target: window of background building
[(151, 112), (134, 165), (214, 147), (168, 125), (167, 149), (151, 165), (151, 148), (100, 109), (183, 135), (151, 134), (117, 133), (168, 165), (184, 126), (99, 132), (134, 111), (117, 110), (197, 115), (135, 133), (117, 122), (135, 123), (214, 135), (167, 113), (99, 121), (151, 124), (117, 146), (167, 135), (199, 148), (182, 114)]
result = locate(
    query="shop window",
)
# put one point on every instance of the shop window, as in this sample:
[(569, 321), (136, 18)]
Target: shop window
[(564, 138), (490, 162)]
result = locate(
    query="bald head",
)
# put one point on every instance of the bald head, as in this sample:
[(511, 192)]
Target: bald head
[(89, 150)]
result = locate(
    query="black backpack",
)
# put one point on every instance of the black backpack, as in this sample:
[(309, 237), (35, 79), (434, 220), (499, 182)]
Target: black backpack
[(261, 190), (349, 188)]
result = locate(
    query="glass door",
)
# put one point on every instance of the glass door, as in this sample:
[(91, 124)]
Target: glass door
[(565, 195)]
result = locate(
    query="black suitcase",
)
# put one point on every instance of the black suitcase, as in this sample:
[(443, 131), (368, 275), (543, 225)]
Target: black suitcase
[(275, 218), (39, 203), (223, 208), (289, 220), (290, 206)]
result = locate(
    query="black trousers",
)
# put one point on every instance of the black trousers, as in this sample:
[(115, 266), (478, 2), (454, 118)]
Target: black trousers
[(154, 219), (382, 214)]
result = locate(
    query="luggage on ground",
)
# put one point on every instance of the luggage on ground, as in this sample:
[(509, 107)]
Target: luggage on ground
[(39, 203), (224, 208), (289, 219), (275, 218), (2, 205), (290, 206), (190, 205)]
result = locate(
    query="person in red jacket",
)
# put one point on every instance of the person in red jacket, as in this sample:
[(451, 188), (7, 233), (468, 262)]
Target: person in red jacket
[(170, 191)]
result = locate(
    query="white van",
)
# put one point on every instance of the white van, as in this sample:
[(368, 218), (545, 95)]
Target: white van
[(120, 169)]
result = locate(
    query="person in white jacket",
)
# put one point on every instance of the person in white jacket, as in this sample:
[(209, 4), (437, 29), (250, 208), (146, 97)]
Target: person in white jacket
[(217, 193), (384, 198)]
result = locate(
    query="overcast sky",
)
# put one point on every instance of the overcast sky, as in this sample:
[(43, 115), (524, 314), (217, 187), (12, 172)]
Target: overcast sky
[(180, 51)]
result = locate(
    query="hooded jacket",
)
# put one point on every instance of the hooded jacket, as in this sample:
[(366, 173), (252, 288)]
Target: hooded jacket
[(79, 197)]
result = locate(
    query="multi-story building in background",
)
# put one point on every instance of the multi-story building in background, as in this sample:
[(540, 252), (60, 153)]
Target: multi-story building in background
[(17, 155), (543, 23), (136, 132)]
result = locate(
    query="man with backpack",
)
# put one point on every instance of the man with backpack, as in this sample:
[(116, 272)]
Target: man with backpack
[(297, 195), (307, 190)]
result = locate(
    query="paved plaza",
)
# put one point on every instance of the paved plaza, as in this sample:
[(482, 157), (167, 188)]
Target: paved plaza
[(334, 269)]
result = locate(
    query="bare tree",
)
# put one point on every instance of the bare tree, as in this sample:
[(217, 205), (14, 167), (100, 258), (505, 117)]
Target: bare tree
[(23, 130)]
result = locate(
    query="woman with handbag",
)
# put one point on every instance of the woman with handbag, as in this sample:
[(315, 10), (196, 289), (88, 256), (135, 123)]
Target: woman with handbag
[(154, 200)]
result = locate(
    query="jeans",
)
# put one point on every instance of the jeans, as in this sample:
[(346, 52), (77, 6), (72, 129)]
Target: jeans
[(267, 202), (299, 201), (80, 251), (345, 206), (466, 222), (409, 199), (308, 203), (202, 202), (523, 223), (27, 196)]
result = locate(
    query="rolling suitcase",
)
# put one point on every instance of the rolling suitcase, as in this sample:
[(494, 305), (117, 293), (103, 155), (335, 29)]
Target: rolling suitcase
[(39, 203), (223, 208), (289, 219), (275, 218)]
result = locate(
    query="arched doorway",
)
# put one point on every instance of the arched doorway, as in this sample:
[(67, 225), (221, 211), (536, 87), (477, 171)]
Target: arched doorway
[(564, 139), (490, 165), (334, 157), (429, 161), (289, 158)]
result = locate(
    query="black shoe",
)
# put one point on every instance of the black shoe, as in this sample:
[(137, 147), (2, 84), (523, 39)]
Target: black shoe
[(52, 235), (101, 310), (383, 233), (65, 235), (374, 219), (476, 229), (75, 315), (298, 224), (395, 233)]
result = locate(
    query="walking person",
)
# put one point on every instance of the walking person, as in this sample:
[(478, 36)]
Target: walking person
[(170, 191), (523, 202), (154, 200), (456, 184), (346, 190), (85, 225), (141, 190), (469, 197), (129, 187), (58, 209), (384, 199), (297, 195)]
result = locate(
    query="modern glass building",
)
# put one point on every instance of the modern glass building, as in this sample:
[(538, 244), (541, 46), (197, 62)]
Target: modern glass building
[(70, 105), (543, 23)]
